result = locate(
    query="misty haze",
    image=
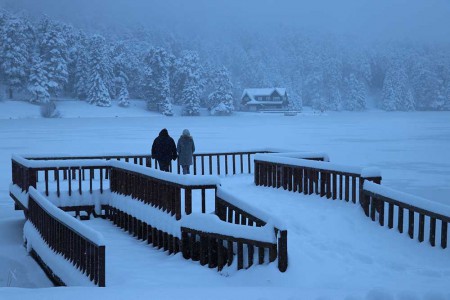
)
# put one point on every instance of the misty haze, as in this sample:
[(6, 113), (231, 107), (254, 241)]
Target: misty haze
[(354, 55), (225, 149)]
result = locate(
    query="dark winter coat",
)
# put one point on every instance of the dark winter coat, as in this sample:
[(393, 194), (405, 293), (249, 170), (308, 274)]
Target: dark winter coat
[(163, 148), (186, 148)]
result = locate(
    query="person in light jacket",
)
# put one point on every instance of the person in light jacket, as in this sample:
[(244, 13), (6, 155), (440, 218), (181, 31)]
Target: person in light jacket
[(186, 149), (164, 150)]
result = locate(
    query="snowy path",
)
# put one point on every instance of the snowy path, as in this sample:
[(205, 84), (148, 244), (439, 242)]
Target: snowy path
[(328, 243)]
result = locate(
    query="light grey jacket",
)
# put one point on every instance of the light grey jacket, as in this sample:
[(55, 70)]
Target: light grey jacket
[(185, 149)]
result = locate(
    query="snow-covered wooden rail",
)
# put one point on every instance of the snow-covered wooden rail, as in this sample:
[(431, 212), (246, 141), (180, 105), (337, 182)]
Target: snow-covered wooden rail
[(81, 246), (145, 202), (377, 200), (312, 177), (357, 185)]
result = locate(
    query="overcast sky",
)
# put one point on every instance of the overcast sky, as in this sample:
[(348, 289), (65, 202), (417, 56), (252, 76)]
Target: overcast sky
[(416, 19)]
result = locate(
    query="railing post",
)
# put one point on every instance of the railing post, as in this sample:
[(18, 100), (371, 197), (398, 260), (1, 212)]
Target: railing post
[(282, 251), (101, 267), (256, 175), (188, 201)]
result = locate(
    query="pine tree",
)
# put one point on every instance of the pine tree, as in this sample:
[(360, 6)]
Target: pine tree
[(100, 72), (15, 54), (123, 94), (82, 71), (355, 94), (156, 80), (186, 71), (314, 91), (221, 100), (397, 93), (54, 54), (98, 93), (332, 79), (38, 82), (191, 98)]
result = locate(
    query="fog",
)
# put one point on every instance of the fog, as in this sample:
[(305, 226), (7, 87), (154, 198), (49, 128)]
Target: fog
[(424, 20)]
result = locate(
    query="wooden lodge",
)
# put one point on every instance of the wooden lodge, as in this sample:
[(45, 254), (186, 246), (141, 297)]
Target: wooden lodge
[(264, 99)]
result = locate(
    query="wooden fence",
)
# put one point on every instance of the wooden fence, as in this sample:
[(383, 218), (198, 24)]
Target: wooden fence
[(86, 255), (391, 210), (208, 163), (307, 177), (231, 213)]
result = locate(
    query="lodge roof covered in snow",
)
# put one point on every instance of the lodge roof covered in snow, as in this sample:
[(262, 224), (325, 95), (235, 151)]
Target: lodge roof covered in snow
[(255, 92)]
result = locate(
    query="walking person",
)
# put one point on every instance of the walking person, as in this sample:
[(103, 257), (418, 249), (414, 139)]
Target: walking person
[(164, 150), (186, 149)]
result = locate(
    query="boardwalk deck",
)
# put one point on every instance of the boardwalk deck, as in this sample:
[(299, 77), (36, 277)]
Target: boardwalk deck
[(324, 245)]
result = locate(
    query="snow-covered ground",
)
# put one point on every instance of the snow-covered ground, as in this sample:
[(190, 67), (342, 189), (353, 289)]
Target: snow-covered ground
[(335, 252)]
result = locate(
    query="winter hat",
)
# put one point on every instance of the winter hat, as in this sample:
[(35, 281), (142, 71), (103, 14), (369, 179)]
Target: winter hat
[(186, 132), (164, 132)]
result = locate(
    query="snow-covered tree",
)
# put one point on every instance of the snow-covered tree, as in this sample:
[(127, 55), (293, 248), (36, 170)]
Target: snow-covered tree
[(38, 82), (191, 98), (81, 86), (221, 99), (54, 55), (15, 54), (187, 71), (355, 93), (332, 79), (156, 80), (100, 72), (397, 92), (123, 94)]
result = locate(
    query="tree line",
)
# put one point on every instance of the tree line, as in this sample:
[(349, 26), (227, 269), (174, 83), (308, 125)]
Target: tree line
[(49, 59)]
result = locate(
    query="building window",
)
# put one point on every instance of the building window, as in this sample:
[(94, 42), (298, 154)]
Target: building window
[(276, 98)]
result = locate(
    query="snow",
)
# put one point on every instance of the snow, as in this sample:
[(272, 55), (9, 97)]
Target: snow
[(252, 93), (268, 157), (335, 251), (252, 209), (65, 218), (146, 213), (302, 155), (419, 202), (57, 263), (212, 223), (39, 164), (187, 180)]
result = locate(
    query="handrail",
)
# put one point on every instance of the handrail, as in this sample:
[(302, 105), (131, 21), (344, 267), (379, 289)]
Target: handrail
[(313, 177), (79, 244), (379, 199), (217, 163), (231, 209), (161, 189)]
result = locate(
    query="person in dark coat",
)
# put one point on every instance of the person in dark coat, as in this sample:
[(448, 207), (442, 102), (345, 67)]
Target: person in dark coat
[(164, 150), (186, 149)]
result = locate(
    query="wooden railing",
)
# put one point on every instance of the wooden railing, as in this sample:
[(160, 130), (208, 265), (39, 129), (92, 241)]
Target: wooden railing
[(25, 174), (231, 213), (311, 177), (217, 250), (164, 194), (143, 230), (85, 253), (223, 163), (208, 163), (385, 204)]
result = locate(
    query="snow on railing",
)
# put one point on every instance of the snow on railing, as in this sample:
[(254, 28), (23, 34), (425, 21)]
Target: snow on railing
[(232, 209), (77, 242), (389, 205), (308, 176), (301, 160), (209, 223), (74, 224)]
